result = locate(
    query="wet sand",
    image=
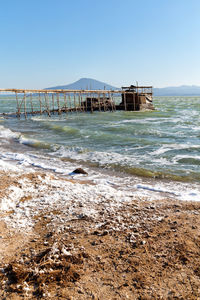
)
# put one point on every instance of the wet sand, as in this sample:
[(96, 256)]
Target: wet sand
[(70, 239)]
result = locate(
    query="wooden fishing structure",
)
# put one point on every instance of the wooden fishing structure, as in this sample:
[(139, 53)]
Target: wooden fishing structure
[(51, 101)]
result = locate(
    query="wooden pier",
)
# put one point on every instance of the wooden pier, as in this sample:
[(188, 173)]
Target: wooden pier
[(49, 101)]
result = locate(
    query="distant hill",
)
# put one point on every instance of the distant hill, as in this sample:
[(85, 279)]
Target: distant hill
[(183, 90), (92, 84), (85, 84)]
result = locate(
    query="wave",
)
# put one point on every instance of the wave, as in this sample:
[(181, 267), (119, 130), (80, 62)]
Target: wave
[(174, 147), (183, 159), (138, 165), (7, 133), (160, 144), (28, 160), (185, 193), (47, 119), (65, 129), (152, 190), (54, 126), (34, 143)]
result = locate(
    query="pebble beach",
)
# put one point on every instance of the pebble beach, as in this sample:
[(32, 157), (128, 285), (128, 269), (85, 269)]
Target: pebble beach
[(77, 238)]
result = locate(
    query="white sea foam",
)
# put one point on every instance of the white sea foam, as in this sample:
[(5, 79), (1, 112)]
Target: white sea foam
[(179, 157), (7, 133), (6, 166), (196, 128), (34, 142), (172, 147), (42, 119), (101, 157), (58, 194), (101, 180), (51, 194), (26, 160), (178, 191), (8, 161), (13, 197), (161, 150), (193, 195)]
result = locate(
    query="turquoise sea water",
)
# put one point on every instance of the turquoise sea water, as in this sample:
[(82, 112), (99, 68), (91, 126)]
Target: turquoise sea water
[(164, 143)]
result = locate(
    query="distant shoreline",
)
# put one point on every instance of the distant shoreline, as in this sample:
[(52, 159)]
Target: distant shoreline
[(176, 96)]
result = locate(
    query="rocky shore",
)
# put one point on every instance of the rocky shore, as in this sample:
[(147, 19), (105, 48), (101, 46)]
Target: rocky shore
[(74, 239)]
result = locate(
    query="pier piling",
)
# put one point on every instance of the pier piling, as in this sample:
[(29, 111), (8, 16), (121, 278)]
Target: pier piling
[(31, 102)]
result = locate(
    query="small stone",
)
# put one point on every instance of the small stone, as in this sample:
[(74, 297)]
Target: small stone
[(104, 233), (80, 171), (96, 232), (143, 242), (65, 252), (49, 234)]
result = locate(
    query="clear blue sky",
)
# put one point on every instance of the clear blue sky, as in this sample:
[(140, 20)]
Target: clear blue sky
[(52, 42)]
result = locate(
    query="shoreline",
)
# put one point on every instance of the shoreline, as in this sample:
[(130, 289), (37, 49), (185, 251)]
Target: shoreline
[(146, 145), (77, 239), (62, 167)]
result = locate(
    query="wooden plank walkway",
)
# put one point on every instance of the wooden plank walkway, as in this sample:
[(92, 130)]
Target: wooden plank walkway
[(50, 101)]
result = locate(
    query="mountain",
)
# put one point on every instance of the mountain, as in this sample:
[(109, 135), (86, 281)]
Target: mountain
[(183, 90), (92, 84), (85, 84)]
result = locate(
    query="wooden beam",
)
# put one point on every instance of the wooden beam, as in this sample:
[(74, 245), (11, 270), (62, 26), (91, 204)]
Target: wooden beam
[(59, 91)]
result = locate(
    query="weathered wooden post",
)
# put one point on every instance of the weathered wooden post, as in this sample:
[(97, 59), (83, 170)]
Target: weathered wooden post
[(65, 101), (113, 101), (79, 102), (104, 102), (86, 103), (40, 103), (110, 99), (58, 104), (82, 105), (75, 102), (53, 104), (47, 104), (134, 101), (70, 102), (125, 106), (18, 108), (25, 114), (99, 102), (92, 108), (31, 100)]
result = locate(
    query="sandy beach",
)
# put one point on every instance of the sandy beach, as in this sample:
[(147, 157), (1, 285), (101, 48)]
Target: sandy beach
[(74, 239)]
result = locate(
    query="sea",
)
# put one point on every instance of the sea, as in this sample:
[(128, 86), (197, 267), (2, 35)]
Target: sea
[(153, 151)]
